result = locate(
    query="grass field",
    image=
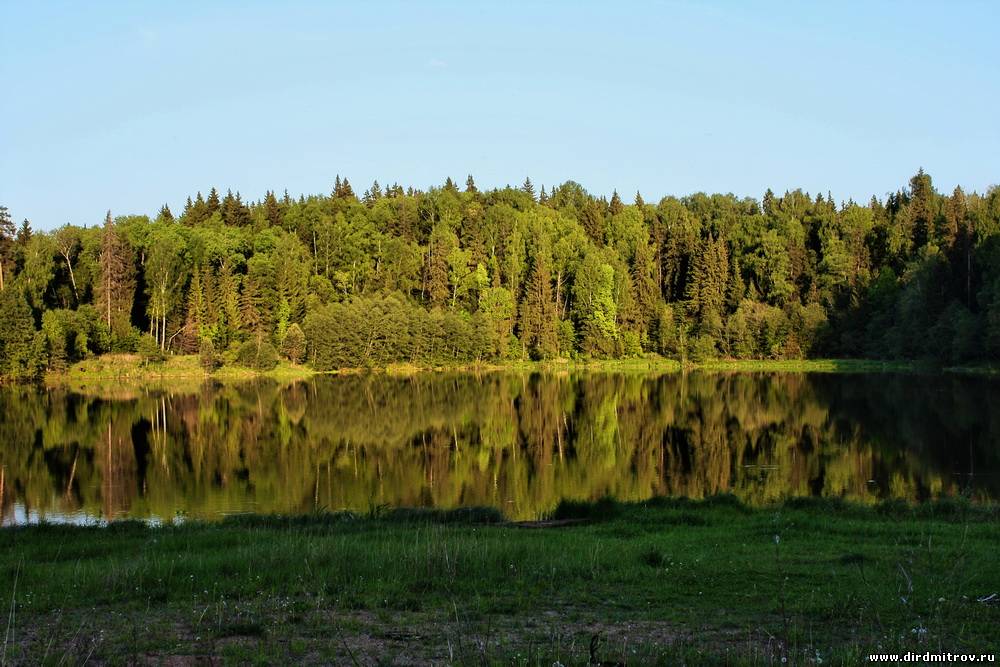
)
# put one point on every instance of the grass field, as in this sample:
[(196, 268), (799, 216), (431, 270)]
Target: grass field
[(664, 582)]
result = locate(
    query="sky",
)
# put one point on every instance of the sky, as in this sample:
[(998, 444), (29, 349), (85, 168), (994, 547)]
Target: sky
[(126, 106)]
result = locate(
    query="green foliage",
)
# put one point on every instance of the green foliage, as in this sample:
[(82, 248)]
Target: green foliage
[(567, 274), (21, 355), (257, 354), (293, 346), (207, 356), (149, 349)]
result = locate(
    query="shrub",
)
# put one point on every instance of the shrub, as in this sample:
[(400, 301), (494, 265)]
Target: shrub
[(207, 356), (293, 347), (258, 354), (149, 349)]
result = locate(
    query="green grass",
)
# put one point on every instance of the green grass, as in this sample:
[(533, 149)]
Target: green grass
[(810, 365), (660, 582), (118, 372), (112, 373)]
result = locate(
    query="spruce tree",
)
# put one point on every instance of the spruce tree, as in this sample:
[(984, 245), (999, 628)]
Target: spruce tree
[(593, 221), (528, 188), (539, 319), (645, 289), (250, 316), (616, 206), (442, 242), (272, 210), (116, 290), (7, 235), (470, 184), (212, 203), (165, 215), (921, 208)]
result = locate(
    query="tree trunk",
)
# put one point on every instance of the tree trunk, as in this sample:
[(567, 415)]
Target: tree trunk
[(72, 279)]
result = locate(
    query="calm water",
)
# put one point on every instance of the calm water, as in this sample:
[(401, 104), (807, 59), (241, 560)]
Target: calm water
[(519, 442)]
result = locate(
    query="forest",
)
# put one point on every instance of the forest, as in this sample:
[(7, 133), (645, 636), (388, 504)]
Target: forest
[(455, 275)]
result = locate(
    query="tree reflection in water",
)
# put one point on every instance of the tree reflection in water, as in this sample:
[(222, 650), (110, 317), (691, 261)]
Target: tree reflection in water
[(520, 442)]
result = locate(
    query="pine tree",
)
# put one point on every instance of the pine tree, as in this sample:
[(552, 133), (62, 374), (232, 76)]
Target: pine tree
[(470, 184), (543, 198), (638, 200), (449, 185)]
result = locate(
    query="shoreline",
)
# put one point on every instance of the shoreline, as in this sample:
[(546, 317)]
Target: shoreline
[(131, 370), (665, 581)]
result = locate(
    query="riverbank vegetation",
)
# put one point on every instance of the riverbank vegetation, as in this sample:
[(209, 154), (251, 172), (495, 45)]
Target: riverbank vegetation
[(659, 582), (455, 275)]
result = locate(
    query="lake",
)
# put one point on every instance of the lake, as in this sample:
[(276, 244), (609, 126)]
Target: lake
[(516, 441)]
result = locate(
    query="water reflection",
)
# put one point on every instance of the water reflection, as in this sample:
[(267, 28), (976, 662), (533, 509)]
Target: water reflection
[(519, 442)]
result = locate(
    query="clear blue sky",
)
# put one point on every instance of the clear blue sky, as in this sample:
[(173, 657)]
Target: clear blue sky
[(129, 105)]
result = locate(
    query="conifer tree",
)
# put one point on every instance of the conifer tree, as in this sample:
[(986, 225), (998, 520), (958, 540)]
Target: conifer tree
[(212, 203), (593, 221), (616, 206), (228, 297), (528, 188), (195, 315), (442, 242), (165, 215), (7, 235), (117, 287), (470, 184), (948, 223), (272, 210), (921, 213), (645, 289), (539, 319), (250, 316)]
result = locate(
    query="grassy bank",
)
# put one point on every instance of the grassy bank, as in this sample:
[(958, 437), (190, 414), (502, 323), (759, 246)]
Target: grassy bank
[(661, 582), (111, 370)]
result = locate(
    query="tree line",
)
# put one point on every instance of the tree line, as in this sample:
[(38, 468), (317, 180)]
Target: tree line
[(455, 274)]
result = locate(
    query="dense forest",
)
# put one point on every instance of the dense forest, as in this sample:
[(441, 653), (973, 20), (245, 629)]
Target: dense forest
[(455, 274)]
